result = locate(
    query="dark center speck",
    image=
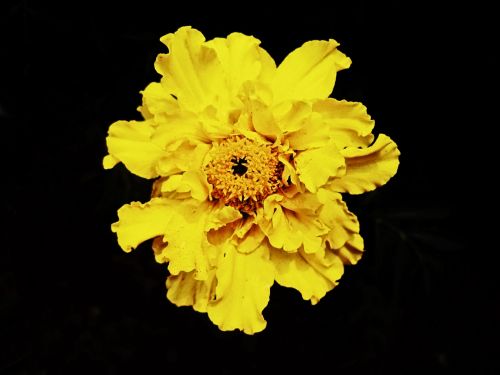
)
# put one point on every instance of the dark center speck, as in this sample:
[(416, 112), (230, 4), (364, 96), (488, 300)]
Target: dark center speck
[(239, 168)]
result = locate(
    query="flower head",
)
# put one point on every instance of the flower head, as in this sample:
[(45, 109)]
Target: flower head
[(250, 160)]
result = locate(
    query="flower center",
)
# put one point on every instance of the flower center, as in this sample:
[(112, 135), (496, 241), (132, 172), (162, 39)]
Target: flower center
[(243, 172)]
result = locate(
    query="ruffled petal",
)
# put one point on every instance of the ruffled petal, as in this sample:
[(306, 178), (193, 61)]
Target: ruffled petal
[(187, 247), (157, 102), (313, 275), (181, 156), (176, 127), (193, 180), (242, 292), (309, 72), (242, 60), (334, 214), (292, 116), (185, 290), (130, 142), (368, 168), (352, 251), (251, 240), (139, 222), (302, 128), (290, 223), (315, 167), (191, 70), (263, 121), (221, 216), (109, 161), (348, 123)]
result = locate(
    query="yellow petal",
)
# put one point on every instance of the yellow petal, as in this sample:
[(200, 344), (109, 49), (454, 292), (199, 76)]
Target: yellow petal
[(289, 175), (292, 116), (236, 232), (174, 183), (243, 285), (304, 129), (178, 127), (130, 143), (309, 72), (335, 215), (244, 226), (191, 70), (157, 102), (109, 161), (188, 247), (182, 156), (242, 60), (267, 69), (316, 166), (293, 223), (214, 122), (348, 123), (255, 90), (194, 182), (252, 240), (264, 122), (352, 251), (140, 222), (189, 158), (310, 274), (222, 215), (185, 290), (368, 168)]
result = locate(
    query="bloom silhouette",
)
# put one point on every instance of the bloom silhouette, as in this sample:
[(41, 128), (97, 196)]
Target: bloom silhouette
[(249, 161)]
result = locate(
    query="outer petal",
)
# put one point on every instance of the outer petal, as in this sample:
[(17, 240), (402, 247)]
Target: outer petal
[(292, 223), (335, 215), (191, 71), (242, 60), (157, 102), (188, 248), (348, 123), (312, 134), (368, 168), (243, 285), (139, 222), (176, 127), (263, 121), (316, 166), (194, 182), (309, 72), (292, 116), (185, 290), (352, 251), (313, 275), (252, 240), (130, 143), (182, 156), (193, 179)]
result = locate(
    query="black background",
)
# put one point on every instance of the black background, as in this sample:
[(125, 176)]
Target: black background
[(425, 295)]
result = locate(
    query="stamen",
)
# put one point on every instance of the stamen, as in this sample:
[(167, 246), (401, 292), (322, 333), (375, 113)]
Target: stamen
[(243, 172)]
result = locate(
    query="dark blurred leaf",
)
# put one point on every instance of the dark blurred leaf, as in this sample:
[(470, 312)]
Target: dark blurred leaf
[(436, 242)]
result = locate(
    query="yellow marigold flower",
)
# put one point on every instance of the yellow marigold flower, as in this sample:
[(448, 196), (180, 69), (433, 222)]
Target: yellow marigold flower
[(250, 160)]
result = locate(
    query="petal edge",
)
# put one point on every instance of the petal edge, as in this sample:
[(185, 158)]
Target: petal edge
[(368, 168)]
